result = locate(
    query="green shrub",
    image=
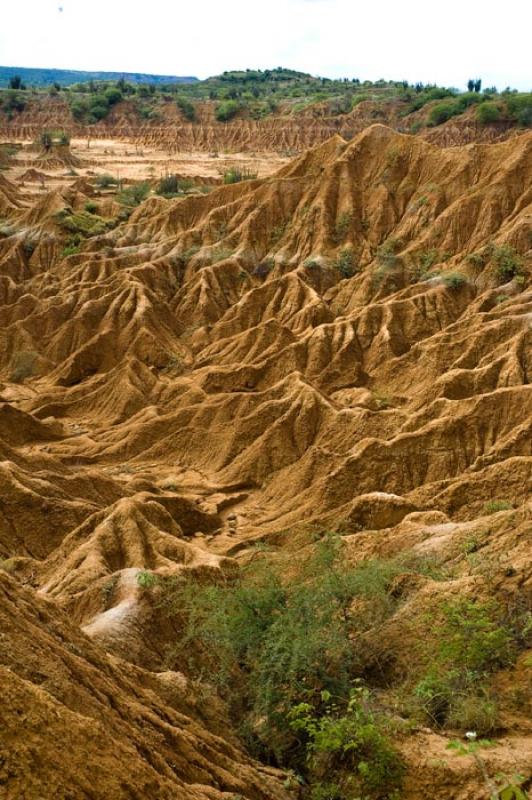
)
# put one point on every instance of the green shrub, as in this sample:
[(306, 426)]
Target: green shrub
[(487, 113), (426, 260), (345, 262), (386, 253), (172, 186), (133, 195), (226, 110), (105, 181), (351, 743), (237, 174), (146, 580), (342, 227), (270, 643), (520, 108), (82, 223), (443, 112), (91, 207), (186, 107), (13, 102), (70, 249), (453, 280), (509, 263), (493, 506), (473, 641), (113, 96)]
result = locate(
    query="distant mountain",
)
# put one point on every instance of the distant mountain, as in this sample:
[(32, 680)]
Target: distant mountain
[(45, 77)]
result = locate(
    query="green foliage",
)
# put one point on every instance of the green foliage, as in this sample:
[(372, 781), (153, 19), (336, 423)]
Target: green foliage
[(172, 186), (351, 742), (133, 195), (511, 790), (83, 223), (45, 140), (473, 641), (345, 262), (386, 253), (13, 101), (63, 77), (442, 112), (146, 580), (520, 108), (91, 207), (342, 227), (113, 95), (493, 506), (186, 107), (509, 263), (71, 249), (227, 110), (237, 174), (105, 181), (108, 590), (271, 643), (426, 260), (488, 113), (450, 108), (453, 280)]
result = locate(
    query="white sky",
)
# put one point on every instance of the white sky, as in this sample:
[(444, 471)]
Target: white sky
[(445, 42)]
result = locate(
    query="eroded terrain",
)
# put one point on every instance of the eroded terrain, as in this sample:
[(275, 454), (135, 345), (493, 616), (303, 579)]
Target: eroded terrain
[(342, 344)]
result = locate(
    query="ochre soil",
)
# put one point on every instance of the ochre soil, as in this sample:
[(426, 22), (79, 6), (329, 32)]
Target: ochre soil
[(285, 354), (285, 132)]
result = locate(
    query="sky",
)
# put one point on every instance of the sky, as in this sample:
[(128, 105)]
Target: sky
[(445, 42)]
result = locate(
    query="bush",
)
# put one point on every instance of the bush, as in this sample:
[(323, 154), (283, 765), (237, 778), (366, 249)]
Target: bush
[(90, 207), (509, 263), (352, 744), (342, 227), (473, 641), (97, 112), (186, 107), (237, 174), (493, 506), (70, 249), (386, 256), (146, 580), (82, 224), (79, 109), (45, 140), (105, 181), (520, 108), (487, 113), (270, 643), (133, 195), (345, 262), (172, 186), (113, 96), (443, 112), (453, 280), (226, 110), (13, 101)]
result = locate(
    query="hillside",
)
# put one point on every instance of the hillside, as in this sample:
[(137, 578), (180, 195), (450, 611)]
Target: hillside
[(32, 76), (279, 110), (220, 380)]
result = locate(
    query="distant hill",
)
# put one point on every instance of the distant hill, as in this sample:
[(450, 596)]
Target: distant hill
[(65, 77)]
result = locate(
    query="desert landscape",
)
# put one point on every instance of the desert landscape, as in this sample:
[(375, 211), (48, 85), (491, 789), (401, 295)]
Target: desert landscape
[(266, 432)]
